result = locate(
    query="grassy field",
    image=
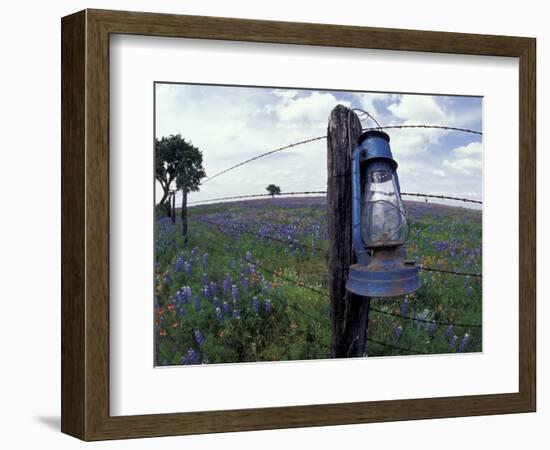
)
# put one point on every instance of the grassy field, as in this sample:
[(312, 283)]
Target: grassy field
[(250, 285)]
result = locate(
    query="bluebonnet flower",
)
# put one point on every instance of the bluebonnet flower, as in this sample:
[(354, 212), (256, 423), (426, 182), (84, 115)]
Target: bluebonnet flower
[(432, 327), (469, 290), (452, 342), (213, 288), (249, 256), (187, 267), (216, 302), (225, 308), (233, 263), (251, 269), (449, 332), (267, 306), (236, 314), (463, 343), (219, 315), (226, 285), (421, 319), (197, 303), (180, 312), (204, 279), (206, 292), (398, 332), (255, 304), (192, 357), (199, 337), (178, 265), (245, 284), (235, 294), (185, 294), (167, 279), (405, 307), (204, 261)]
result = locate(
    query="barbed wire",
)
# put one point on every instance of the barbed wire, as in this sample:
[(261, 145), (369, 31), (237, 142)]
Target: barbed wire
[(439, 127), (437, 322), (467, 274), (318, 138), (282, 277), (442, 197), (238, 197), (282, 194), (275, 296), (319, 249), (396, 347), (271, 152)]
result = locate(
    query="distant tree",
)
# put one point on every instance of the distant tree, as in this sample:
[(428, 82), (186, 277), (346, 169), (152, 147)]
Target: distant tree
[(273, 190)]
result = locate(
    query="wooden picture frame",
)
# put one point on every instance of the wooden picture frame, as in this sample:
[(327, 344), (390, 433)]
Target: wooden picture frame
[(85, 224)]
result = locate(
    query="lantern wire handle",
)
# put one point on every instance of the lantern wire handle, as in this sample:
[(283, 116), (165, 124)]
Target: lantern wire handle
[(349, 125)]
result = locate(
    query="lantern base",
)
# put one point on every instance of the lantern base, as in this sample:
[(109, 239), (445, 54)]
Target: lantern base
[(384, 278)]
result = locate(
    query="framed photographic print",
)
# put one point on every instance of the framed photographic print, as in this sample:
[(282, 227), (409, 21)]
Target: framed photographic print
[(271, 224)]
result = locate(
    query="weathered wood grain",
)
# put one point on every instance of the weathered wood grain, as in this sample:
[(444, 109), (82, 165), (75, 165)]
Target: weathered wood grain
[(348, 312)]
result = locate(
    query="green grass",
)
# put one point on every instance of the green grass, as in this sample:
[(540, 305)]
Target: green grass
[(297, 325)]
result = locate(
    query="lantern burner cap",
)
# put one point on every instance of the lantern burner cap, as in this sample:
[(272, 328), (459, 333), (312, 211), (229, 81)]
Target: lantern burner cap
[(373, 133)]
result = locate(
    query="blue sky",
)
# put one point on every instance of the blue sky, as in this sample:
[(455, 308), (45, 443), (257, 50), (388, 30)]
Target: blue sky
[(230, 124)]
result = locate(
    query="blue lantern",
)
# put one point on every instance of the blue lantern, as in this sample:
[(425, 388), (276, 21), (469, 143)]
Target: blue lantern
[(379, 225)]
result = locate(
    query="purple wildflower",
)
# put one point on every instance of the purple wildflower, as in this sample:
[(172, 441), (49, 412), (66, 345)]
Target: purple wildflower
[(235, 294), (199, 337), (405, 307), (236, 314), (449, 332), (192, 357), (219, 315), (213, 288), (463, 343), (267, 306), (452, 342), (225, 308), (216, 302), (204, 261), (255, 304), (197, 303), (432, 327), (204, 279), (398, 332)]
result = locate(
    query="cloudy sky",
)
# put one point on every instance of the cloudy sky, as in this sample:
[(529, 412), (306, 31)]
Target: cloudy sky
[(232, 124)]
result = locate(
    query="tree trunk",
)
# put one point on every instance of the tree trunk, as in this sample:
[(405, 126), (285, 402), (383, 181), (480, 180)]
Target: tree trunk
[(164, 199), (184, 213), (173, 205), (348, 312)]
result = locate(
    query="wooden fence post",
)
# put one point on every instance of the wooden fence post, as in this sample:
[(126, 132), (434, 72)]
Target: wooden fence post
[(348, 312)]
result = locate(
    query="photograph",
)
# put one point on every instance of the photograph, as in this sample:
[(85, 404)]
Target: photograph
[(242, 234)]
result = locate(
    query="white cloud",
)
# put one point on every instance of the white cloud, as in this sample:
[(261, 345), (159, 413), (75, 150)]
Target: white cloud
[(313, 108), (231, 125), (418, 109)]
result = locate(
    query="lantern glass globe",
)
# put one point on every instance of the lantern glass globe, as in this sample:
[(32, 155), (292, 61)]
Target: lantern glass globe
[(383, 221)]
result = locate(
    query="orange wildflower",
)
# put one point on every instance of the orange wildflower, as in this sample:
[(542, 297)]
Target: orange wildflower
[(162, 332), (175, 324)]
